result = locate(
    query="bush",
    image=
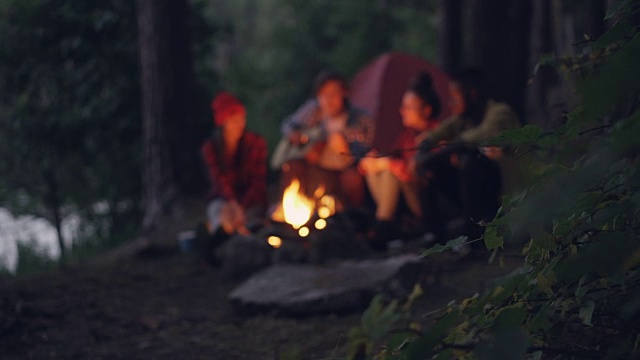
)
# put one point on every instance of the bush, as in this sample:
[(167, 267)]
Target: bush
[(578, 293)]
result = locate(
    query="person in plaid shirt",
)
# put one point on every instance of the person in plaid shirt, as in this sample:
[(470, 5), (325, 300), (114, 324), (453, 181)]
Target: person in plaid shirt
[(236, 161)]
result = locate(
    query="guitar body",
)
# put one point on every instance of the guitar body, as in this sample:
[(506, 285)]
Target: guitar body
[(286, 151)]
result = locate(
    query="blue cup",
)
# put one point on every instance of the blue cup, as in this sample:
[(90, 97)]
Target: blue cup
[(186, 240)]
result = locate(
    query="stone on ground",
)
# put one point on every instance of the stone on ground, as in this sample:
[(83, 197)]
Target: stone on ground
[(308, 289)]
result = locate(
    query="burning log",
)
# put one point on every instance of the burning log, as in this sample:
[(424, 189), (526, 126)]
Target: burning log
[(303, 230), (304, 214)]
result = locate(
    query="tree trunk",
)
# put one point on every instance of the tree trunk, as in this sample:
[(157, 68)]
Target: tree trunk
[(450, 34), (594, 23), (53, 203), (545, 77), (498, 43), (166, 81), (517, 69)]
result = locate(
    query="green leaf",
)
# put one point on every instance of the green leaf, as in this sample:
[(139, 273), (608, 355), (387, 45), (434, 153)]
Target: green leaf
[(492, 240), (615, 8), (617, 246), (626, 133), (425, 345), (586, 312), (540, 322), (448, 246), (369, 315), (582, 289), (444, 355), (526, 135), (545, 282), (610, 87), (506, 286), (510, 317), (509, 343), (562, 228), (400, 340), (542, 239), (378, 319), (616, 33)]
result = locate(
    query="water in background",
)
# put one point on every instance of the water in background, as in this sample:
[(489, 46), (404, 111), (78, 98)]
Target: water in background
[(33, 230)]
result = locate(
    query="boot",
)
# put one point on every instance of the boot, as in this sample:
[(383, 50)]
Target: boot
[(206, 243)]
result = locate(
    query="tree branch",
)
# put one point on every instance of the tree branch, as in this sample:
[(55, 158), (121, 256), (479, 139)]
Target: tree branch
[(593, 129)]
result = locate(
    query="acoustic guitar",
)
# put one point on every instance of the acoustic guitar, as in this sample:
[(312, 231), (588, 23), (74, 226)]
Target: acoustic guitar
[(286, 151)]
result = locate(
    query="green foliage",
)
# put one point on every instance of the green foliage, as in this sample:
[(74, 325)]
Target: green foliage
[(378, 321), (70, 113), (448, 246), (577, 295), (69, 109)]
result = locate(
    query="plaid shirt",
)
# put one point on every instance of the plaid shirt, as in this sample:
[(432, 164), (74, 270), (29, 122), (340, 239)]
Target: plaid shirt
[(243, 178), (359, 131)]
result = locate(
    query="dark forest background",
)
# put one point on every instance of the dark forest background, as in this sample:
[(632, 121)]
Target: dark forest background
[(103, 105)]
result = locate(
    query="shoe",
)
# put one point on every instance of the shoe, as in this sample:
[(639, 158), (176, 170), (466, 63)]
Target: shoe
[(208, 243)]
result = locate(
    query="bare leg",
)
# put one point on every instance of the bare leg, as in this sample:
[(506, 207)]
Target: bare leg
[(385, 189), (411, 195), (373, 181)]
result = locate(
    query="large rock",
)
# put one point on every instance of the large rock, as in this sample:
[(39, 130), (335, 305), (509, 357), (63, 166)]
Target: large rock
[(308, 289)]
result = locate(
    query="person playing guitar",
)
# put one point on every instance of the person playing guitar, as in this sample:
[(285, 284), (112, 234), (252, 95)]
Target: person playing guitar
[(322, 141)]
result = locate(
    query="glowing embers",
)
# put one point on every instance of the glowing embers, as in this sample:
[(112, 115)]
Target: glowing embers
[(274, 241), (297, 209), (320, 224)]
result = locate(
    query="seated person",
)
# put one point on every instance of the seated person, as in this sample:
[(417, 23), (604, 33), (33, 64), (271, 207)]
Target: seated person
[(460, 173), (322, 141), (387, 177), (236, 162)]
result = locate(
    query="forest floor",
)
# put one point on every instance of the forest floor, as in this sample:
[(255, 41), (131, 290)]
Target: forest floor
[(173, 306)]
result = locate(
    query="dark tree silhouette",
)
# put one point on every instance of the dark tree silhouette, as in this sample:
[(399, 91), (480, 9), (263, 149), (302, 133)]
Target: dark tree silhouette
[(170, 160), (450, 34), (498, 42)]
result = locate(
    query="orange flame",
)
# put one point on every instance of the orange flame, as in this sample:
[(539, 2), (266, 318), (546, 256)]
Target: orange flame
[(297, 209)]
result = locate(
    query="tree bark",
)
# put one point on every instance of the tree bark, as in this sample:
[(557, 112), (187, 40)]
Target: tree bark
[(594, 24), (169, 155), (450, 34), (545, 77), (54, 204), (498, 43), (517, 68)]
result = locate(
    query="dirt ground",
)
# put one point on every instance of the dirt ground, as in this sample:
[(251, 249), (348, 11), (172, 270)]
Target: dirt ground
[(175, 307)]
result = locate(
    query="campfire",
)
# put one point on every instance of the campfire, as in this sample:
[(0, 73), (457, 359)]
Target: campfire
[(305, 227), (303, 213)]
